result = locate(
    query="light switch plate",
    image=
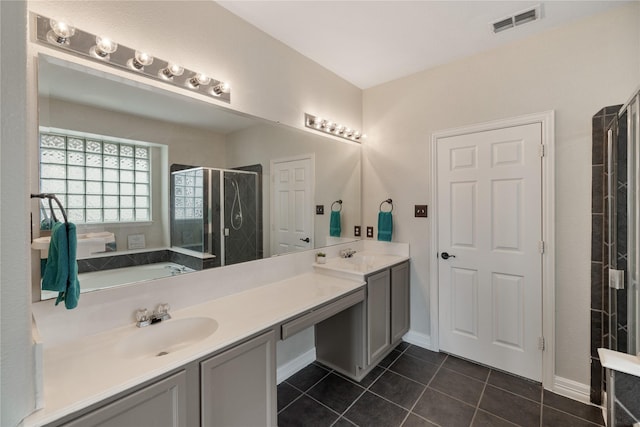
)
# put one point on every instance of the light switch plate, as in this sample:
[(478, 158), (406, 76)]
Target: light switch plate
[(357, 231), (319, 209), (369, 231)]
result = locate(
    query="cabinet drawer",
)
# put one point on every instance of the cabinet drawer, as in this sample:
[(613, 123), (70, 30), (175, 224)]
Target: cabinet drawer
[(316, 316)]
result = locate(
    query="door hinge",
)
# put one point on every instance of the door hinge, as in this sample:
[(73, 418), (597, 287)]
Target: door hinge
[(541, 343), (541, 246), (541, 151)]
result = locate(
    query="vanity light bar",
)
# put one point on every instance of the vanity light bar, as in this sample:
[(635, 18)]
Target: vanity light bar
[(332, 128), (101, 49)]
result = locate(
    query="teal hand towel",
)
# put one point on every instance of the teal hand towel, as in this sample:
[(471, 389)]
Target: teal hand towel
[(334, 224), (385, 226), (61, 270)]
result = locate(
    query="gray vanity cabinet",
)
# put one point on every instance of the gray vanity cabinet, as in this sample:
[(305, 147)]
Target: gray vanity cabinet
[(238, 386), (378, 314), (161, 404), (387, 310), (399, 302)]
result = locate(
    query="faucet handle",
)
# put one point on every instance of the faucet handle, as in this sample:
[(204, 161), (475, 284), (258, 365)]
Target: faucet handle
[(142, 315), (162, 312), (142, 318)]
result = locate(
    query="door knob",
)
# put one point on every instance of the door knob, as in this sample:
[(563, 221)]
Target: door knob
[(445, 255), (306, 240)]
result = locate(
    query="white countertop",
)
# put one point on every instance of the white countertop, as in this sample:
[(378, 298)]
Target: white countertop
[(622, 362), (360, 265), (86, 371)]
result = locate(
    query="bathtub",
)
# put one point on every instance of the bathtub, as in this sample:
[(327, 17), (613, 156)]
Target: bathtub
[(122, 276)]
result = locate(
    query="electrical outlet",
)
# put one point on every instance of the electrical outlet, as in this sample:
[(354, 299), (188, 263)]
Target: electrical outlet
[(319, 209), (420, 211), (356, 231), (370, 232)]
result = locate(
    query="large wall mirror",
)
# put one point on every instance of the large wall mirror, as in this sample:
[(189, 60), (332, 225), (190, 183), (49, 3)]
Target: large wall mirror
[(160, 183)]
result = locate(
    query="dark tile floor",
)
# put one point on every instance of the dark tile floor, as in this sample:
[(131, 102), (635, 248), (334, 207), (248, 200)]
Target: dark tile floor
[(414, 387)]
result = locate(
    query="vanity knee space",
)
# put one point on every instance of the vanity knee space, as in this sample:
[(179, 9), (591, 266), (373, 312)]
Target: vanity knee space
[(356, 339)]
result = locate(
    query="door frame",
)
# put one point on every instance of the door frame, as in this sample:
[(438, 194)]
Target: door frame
[(312, 159), (547, 121)]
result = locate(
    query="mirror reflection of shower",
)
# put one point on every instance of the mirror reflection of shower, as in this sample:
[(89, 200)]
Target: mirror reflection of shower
[(236, 209), (216, 214)]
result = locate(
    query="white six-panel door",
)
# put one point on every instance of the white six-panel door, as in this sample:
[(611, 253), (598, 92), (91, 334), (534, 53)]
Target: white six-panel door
[(292, 219), (490, 223)]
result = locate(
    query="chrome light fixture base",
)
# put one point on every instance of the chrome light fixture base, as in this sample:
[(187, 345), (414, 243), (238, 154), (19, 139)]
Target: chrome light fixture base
[(83, 43), (331, 128)]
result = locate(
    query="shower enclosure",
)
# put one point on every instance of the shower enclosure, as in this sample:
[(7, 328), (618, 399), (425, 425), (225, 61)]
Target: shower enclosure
[(623, 215), (216, 214)]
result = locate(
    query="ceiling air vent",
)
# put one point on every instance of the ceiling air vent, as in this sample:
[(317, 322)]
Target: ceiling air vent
[(519, 18), (505, 24)]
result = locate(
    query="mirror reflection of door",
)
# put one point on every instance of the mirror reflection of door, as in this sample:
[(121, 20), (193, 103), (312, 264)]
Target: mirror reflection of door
[(292, 204)]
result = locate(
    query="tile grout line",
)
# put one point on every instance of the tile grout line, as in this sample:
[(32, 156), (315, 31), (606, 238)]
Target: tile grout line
[(423, 392), (484, 387), (303, 393), (366, 389)]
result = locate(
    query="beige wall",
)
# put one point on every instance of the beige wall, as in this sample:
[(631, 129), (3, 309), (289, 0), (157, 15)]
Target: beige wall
[(16, 359), (574, 70)]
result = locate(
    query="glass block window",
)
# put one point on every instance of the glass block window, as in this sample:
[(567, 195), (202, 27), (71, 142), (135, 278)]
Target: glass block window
[(97, 181), (188, 194)]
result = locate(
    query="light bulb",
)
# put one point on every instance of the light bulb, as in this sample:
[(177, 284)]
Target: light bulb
[(60, 32), (104, 48), (141, 60), (357, 135), (221, 88), (199, 79), (318, 122), (172, 70)]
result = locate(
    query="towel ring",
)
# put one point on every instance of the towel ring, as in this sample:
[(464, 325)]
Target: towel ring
[(386, 201), (50, 197), (339, 202)]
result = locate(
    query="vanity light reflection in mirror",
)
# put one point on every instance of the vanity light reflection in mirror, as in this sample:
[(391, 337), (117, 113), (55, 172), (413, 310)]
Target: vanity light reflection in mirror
[(180, 132)]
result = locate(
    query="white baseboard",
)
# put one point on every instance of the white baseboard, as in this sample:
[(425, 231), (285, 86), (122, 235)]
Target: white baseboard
[(419, 339), (293, 366), (572, 389)]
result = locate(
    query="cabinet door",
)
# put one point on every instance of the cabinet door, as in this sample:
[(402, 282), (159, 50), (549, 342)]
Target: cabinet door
[(238, 387), (378, 316), (159, 405), (399, 302)]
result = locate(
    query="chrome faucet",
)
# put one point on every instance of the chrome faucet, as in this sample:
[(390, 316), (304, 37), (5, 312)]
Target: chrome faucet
[(144, 319), (347, 253), (176, 270)]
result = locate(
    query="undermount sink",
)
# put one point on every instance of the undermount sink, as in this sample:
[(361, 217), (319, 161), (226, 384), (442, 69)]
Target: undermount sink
[(166, 337), (360, 263), (369, 261)]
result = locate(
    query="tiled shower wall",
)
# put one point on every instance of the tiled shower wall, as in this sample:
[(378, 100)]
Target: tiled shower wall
[(599, 248), (603, 311)]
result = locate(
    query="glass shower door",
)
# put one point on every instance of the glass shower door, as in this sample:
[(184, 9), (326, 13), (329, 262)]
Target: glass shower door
[(633, 214)]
